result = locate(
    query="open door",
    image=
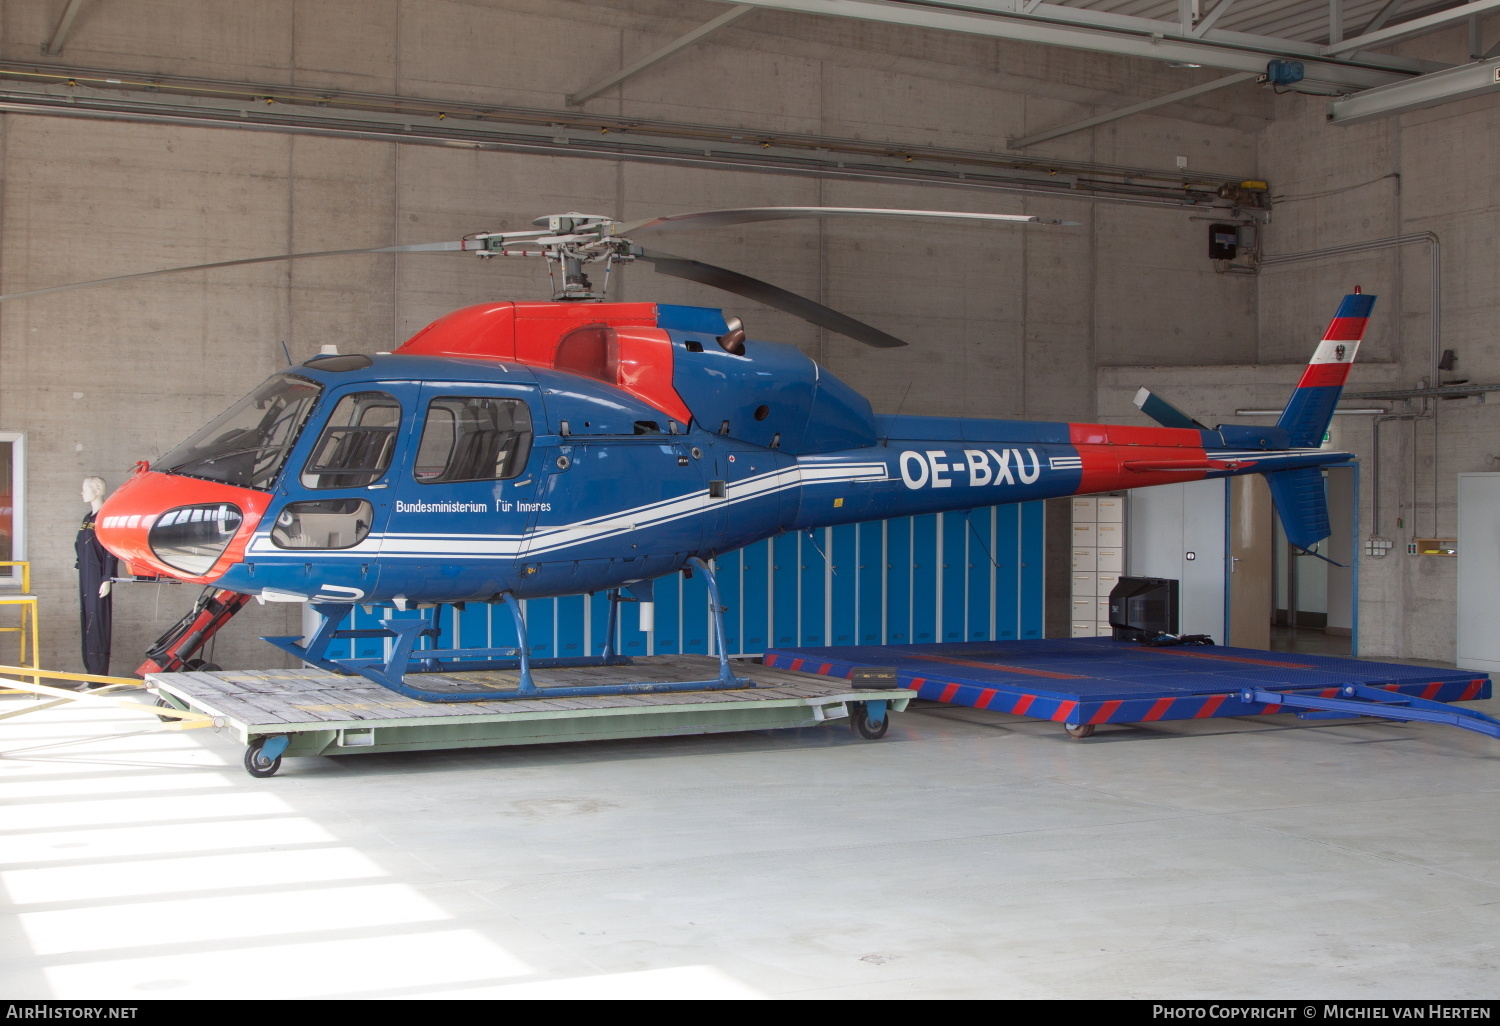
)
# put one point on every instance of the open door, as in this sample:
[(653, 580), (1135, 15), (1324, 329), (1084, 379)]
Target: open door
[(1251, 530), (1314, 604)]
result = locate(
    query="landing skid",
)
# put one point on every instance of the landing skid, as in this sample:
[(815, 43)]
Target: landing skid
[(406, 634)]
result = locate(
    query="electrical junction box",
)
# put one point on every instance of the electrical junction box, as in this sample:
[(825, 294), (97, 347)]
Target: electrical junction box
[(1284, 72), (1432, 547), (1223, 241)]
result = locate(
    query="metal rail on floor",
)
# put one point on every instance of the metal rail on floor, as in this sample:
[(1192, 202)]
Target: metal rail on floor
[(104, 691), (1363, 700)]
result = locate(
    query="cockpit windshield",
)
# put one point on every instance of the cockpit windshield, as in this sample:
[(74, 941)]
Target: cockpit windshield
[(248, 443)]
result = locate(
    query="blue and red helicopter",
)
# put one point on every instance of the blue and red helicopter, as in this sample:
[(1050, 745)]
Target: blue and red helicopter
[(515, 450)]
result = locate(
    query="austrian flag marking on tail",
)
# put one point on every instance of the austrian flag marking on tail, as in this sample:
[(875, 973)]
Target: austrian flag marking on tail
[(1335, 354), (1311, 407)]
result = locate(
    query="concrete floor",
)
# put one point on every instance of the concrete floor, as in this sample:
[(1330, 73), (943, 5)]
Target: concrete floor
[(969, 854), (1309, 640)]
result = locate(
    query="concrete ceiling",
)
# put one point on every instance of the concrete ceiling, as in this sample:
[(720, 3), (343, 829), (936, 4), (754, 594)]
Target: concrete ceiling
[(1336, 48), (1302, 20)]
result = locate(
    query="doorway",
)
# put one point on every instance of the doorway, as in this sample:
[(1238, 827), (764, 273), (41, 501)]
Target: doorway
[(1313, 608), (1223, 542)]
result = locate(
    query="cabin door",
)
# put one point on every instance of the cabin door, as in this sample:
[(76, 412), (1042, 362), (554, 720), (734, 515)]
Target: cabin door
[(463, 506)]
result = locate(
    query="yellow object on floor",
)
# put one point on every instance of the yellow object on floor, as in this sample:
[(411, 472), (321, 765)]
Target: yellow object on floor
[(25, 603)]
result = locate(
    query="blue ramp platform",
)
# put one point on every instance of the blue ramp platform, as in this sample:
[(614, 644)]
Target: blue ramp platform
[(1087, 681)]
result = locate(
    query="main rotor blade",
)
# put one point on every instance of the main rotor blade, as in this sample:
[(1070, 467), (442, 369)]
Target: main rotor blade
[(771, 295), (747, 215), (423, 247)]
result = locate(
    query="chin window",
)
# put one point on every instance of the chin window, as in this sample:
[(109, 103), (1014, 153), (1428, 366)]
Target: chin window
[(192, 538)]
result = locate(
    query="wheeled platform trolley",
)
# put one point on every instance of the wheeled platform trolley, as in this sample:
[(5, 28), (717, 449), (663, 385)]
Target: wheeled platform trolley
[(287, 713), (1083, 683)]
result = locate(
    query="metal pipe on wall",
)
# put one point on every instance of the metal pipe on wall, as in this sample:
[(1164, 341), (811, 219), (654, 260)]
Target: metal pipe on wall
[(1429, 238), (1375, 464)]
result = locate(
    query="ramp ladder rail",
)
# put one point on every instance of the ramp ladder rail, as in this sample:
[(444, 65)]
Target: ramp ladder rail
[(177, 648), (1363, 700)]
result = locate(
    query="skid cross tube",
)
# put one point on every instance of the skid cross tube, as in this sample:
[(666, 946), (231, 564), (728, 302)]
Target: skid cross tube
[(1363, 700), (406, 634)]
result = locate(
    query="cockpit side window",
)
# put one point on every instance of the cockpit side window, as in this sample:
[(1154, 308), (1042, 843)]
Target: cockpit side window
[(473, 439), (248, 444), (357, 443)]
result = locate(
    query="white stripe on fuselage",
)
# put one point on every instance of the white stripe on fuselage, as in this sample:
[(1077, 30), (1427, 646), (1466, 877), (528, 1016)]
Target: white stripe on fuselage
[(546, 540)]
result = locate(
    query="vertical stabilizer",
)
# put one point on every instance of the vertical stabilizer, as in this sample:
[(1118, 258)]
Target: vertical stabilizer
[(1307, 414)]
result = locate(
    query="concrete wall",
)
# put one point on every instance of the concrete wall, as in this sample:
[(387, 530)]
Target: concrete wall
[(1427, 171), (1003, 323)]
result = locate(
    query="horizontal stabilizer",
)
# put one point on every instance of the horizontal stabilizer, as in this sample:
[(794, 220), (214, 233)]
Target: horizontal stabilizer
[(1183, 466), (1163, 412), (1302, 503)]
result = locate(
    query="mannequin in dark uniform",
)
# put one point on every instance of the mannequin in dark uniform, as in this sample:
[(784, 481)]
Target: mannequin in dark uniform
[(96, 570)]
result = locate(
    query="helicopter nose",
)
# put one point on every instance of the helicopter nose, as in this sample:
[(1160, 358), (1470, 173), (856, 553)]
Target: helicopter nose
[(171, 526)]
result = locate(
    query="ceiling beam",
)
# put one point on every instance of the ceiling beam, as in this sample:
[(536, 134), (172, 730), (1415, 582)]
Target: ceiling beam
[(127, 97), (1134, 108), (1457, 83), (64, 26), (1079, 28), (1220, 9), (1415, 27), (732, 15), (1384, 15)]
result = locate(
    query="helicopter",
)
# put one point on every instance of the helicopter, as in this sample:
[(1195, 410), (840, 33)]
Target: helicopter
[(514, 450)]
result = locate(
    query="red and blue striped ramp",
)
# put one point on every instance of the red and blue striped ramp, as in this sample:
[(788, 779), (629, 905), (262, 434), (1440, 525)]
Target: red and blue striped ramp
[(1099, 680)]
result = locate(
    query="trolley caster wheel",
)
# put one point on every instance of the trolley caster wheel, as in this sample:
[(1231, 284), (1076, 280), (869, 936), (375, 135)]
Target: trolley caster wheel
[(859, 722), (1079, 731), (201, 664), (256, 763)]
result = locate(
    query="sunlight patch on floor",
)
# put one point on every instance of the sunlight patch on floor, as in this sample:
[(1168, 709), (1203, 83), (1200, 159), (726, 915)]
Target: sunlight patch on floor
[(177, 838), (172, 875), (84, 760), (18, 790), (685, 983), (191, 920), (295, 970), (53, 815)]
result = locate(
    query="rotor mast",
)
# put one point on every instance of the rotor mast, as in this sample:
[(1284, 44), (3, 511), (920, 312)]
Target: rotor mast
[(576, 240)]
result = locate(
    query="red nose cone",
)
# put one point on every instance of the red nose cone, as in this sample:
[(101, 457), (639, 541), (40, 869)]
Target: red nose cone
[(196, 508)]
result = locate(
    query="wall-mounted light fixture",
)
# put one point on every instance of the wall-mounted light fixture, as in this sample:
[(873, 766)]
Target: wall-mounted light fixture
[(1370, 411)]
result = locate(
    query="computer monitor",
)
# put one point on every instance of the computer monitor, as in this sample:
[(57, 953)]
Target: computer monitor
[(1141, 608)]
